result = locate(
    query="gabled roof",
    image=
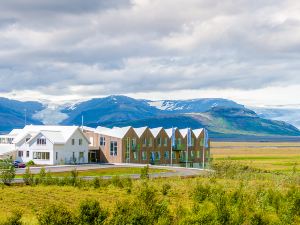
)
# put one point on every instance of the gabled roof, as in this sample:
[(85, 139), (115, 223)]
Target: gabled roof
[(155, 131), (184, 132), (139, 131), (55, 134), (169, 131), (197, 132), (118, 132)]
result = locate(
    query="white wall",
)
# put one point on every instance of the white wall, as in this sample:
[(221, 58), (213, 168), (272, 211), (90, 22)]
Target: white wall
[(65, 152), (34, 147)]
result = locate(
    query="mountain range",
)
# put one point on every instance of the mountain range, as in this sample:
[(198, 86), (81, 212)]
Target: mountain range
[(223, 118)]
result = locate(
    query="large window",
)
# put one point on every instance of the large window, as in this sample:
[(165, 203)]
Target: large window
[(144, 155), (113, 148), (102, 141), (150, 142), (135, 156), (173, 155), (41, 155), (166, 142), (157, 155), (27, 154), (80, 141), (159, 141), (145, 142), (166, 155), (81, 155), (41, 141), (20, 153), (73, 141)]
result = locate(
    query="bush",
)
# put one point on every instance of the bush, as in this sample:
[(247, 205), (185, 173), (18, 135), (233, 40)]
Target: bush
[(28, 177), (15, 219), (165, 188), (30, 163), (56, 215), (7, 171), (91, 213), (117, 182), (145, 172)]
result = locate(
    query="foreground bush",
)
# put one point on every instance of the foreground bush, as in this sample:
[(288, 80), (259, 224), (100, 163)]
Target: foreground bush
[(7, 171), (57, 215), (92, 213)]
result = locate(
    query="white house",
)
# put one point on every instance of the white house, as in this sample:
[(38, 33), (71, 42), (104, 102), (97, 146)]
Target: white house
[(50, 145)]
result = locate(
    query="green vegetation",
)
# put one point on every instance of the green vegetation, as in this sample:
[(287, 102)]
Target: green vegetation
[(7, 171), (233, 194)]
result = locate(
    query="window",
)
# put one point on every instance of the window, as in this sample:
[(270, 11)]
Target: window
[(56, 155), (135, 156), (80, 141), (73, 141), (166, 142), (41, 155), (27, 154), (179, 141), (20, 153), (192, 155), (173, 155), (198, 154), (201, 142), (150, 142), (159, 141), (81, 155), (102, 141), (193, 141), (145, 142), (144, 155), (41, 141), (133, 142), (152, 156), (166, 155), (113, 148), (157, 156), (27, 139)]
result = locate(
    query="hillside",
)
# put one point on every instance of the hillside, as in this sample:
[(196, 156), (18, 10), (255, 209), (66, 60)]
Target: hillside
[(12, 113)]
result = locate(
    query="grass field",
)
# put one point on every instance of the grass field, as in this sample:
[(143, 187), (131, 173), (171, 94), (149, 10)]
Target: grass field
[(273, 156), (231, 194), (119, 171)]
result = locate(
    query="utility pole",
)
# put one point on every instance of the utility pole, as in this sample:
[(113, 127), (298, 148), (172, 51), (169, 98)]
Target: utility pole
[(25, 117)]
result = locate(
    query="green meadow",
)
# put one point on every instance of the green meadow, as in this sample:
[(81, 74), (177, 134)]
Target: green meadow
[(262, 187)]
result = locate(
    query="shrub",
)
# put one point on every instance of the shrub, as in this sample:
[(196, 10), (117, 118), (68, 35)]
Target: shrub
[(28, 177), (74, 177), (30, 163), (117, 182), (145, 172), (91, 213), (56, 215), (15, 219), (96, 182), (7, 171), (165, 188)]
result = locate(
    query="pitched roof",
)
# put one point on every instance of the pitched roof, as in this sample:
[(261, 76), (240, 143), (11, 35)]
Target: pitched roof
[(56, 134), (155, 131), (197, 132), (118, 132), (183, 132), (139, 131), (169, 131)]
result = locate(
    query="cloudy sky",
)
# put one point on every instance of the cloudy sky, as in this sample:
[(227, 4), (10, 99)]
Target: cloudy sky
[(246, 50)]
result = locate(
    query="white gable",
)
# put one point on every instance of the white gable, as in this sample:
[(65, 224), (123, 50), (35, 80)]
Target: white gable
[(139, 131), (155, 131)]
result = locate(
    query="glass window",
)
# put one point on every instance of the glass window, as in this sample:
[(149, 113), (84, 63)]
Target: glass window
[(193, 141), (20, 153), (27, 139), (159, 141), (80, 141), (144, 155), (152, 156), (157, 156), (166, 154), (113, 148), (150, 142), (56, 155), (173, 155), (27, 154), (198, 154), (179, 141), (73, 141), (41, 155), (81, 155), (102, 141), (41, 141), (145, 142), (192, 155), (166, 142), (135, 156)]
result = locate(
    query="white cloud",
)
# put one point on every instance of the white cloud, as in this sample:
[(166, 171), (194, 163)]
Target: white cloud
[(241, 49)]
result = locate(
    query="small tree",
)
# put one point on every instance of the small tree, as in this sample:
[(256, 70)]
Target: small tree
[(145, 172), (28, 177), (92, 213), (7, 171)]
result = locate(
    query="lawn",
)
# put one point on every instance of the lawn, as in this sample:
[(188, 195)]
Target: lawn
[(117, 171), (273, 156)]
